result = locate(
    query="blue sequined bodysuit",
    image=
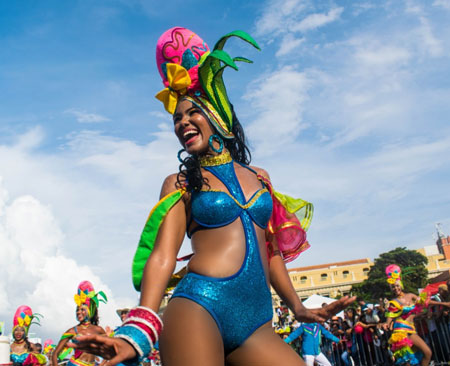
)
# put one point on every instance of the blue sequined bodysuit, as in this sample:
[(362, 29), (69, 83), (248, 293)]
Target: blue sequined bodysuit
[(240, 303), (18, 358)]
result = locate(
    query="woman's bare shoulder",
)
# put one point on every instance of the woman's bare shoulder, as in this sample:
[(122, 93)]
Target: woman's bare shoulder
[(170, 185), (261, 171)]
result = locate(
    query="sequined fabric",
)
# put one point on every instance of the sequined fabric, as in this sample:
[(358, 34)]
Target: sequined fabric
[(18, 359), (240, 303)]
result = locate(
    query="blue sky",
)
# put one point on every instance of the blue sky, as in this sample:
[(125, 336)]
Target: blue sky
[(346, 106)]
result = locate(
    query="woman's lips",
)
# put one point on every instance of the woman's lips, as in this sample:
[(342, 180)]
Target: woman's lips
[(191, 140)]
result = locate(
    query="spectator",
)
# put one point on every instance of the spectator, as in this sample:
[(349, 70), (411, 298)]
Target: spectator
[(311, 335)]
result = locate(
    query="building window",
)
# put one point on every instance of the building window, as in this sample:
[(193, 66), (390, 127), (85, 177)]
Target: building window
[(345, 274), (303, 279), (294, 278), (323, 277), (365, 270)]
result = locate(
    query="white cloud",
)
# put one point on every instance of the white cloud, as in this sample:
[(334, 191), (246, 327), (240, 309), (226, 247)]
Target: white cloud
[(278, 16), (278, 99), (382, 55), (289, 43), (85, 117), (72, 214), (314, 21), (34, 272), (376, 198), (443, 3), (430, 44)]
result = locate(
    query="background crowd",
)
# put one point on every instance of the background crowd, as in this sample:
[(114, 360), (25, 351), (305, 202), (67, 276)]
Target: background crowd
[(363, 334)]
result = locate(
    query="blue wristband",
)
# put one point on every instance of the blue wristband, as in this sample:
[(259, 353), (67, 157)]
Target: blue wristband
[(138, 340)]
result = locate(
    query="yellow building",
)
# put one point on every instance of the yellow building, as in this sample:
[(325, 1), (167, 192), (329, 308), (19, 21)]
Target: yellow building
[(331, 279), (437, 261), (334, 279)]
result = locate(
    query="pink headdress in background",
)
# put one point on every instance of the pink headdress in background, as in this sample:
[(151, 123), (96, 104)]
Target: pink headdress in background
[(48, 346), (24, 317), (393, 273)]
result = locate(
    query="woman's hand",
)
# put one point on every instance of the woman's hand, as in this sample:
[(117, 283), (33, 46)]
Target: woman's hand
[(115, 350), (335, 307), (322, 314), (305, 315)]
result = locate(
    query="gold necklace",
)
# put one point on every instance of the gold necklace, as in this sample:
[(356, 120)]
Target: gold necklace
[(215, 160)]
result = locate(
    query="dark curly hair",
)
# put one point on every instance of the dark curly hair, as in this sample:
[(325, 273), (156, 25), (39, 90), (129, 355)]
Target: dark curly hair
[(190, 174)]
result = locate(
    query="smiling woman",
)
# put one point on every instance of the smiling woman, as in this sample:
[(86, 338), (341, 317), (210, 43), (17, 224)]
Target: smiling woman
[(21, 349), (221, 311), (87, 316)]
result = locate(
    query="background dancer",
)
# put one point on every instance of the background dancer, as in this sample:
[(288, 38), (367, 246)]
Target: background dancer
[(311, 334), (401, 313), (21, 348), (221, 311), (87, 315)]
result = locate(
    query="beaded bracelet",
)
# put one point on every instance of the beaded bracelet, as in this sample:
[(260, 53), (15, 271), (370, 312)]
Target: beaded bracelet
[(141, 329)]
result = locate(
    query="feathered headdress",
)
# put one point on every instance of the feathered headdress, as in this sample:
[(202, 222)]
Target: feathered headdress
[(394, 274), (24, 317), (191, 71), (87, 297)]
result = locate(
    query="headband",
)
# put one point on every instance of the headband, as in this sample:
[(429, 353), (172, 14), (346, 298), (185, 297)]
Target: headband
[(189, 70)]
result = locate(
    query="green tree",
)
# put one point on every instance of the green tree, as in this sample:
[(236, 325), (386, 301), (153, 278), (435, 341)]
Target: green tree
[(414, 274)]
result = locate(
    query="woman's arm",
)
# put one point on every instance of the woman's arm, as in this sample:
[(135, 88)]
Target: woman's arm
[(388, 325), (158, 269), (60, 346), (281, 283), (161, 264)]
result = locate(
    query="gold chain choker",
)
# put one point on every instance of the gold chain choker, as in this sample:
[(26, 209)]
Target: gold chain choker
[(215, 160)]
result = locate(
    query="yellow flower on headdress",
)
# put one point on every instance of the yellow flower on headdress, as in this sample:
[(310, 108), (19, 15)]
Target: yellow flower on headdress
[(395, 275), (391, 280), (179, 79), (20, 322), (80, 299)]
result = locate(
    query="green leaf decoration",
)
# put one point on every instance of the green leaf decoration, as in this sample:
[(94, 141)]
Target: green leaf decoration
[(103, 299), (219, 55), (211, 74), (240, 34), (220, 94), (95, 300), (242, 59)]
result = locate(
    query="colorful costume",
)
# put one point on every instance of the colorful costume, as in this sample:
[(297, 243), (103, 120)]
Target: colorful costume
[(87, 298), (401, 345), (190, 71), (24, 317), (311, 339)]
